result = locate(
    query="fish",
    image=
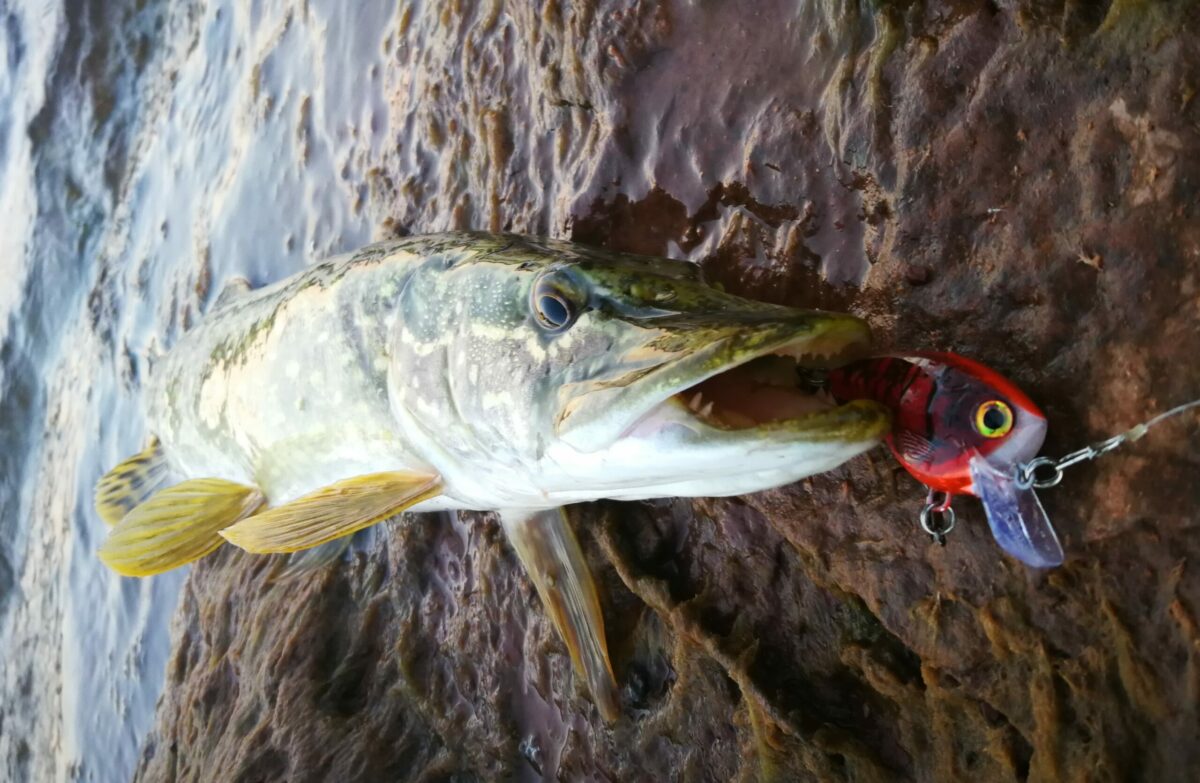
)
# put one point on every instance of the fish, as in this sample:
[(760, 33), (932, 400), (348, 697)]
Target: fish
[(474, 371), (961, 428)]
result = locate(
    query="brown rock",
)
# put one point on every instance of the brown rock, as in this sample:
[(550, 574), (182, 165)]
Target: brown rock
[(811, 154)]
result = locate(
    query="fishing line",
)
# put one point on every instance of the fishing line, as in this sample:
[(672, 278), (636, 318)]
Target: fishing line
[(1052, 470), (937, 518)]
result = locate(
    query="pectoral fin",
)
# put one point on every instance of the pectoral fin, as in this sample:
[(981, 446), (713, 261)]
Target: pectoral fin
[(548, 549), (309, 560), (332, 512), (176, 526), (131, 483)]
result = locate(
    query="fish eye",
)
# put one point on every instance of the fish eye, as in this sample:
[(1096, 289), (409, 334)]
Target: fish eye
[(552, 305), (993, 419)]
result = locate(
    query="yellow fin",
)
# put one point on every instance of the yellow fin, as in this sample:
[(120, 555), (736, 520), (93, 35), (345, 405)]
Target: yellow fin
[(552, 557), (176, 526), (332, 512), (131, 483)]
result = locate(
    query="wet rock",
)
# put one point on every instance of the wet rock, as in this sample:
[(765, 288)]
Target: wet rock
[(917, 274), (819, 156)]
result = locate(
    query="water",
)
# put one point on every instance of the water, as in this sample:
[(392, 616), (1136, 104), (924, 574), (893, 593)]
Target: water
[(148, 153)]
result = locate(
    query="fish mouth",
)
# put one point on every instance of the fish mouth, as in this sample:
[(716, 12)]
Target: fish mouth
[(741, 382), (778, 391), (779, 386)]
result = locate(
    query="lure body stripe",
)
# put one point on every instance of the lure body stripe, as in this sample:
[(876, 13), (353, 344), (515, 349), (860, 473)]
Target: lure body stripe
[(899, 384)]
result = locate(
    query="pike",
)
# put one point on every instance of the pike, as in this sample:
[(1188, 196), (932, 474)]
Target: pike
[(483, 372)]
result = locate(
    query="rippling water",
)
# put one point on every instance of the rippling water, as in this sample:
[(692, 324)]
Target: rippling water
[(148, 153)]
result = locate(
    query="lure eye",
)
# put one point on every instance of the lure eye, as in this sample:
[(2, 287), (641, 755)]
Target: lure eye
[(993, 419), (552, 306)]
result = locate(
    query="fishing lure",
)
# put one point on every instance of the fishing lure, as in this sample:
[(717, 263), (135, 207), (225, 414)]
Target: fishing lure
[(961, 428)]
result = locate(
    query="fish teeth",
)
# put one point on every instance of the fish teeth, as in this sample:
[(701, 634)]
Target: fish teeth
[(706, 411), (695, 402)]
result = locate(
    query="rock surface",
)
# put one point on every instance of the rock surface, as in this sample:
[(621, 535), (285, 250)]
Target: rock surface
[(1013, 180)]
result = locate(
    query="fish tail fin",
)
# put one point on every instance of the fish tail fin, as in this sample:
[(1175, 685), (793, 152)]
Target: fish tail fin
[(131, 483), (551, 555), (332, 512), (176, 526)]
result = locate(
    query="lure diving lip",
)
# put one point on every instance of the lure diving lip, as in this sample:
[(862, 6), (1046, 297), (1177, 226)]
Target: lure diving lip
[(961, 428)]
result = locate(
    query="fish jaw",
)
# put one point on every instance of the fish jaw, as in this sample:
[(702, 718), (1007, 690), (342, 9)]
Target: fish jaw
[(717, 357), (673, 453), (725, 416)]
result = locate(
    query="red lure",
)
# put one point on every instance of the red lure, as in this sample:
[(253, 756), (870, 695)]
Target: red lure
[(961, 428), (945, 408)]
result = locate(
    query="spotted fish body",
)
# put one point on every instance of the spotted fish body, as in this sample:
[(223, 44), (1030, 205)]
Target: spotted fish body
[(285, 388), (477, 371), (420, 355)]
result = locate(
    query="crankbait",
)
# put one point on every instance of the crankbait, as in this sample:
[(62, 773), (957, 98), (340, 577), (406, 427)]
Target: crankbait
[(961, 428)]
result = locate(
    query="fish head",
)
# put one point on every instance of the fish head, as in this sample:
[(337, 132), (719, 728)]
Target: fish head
[(564, 374)]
